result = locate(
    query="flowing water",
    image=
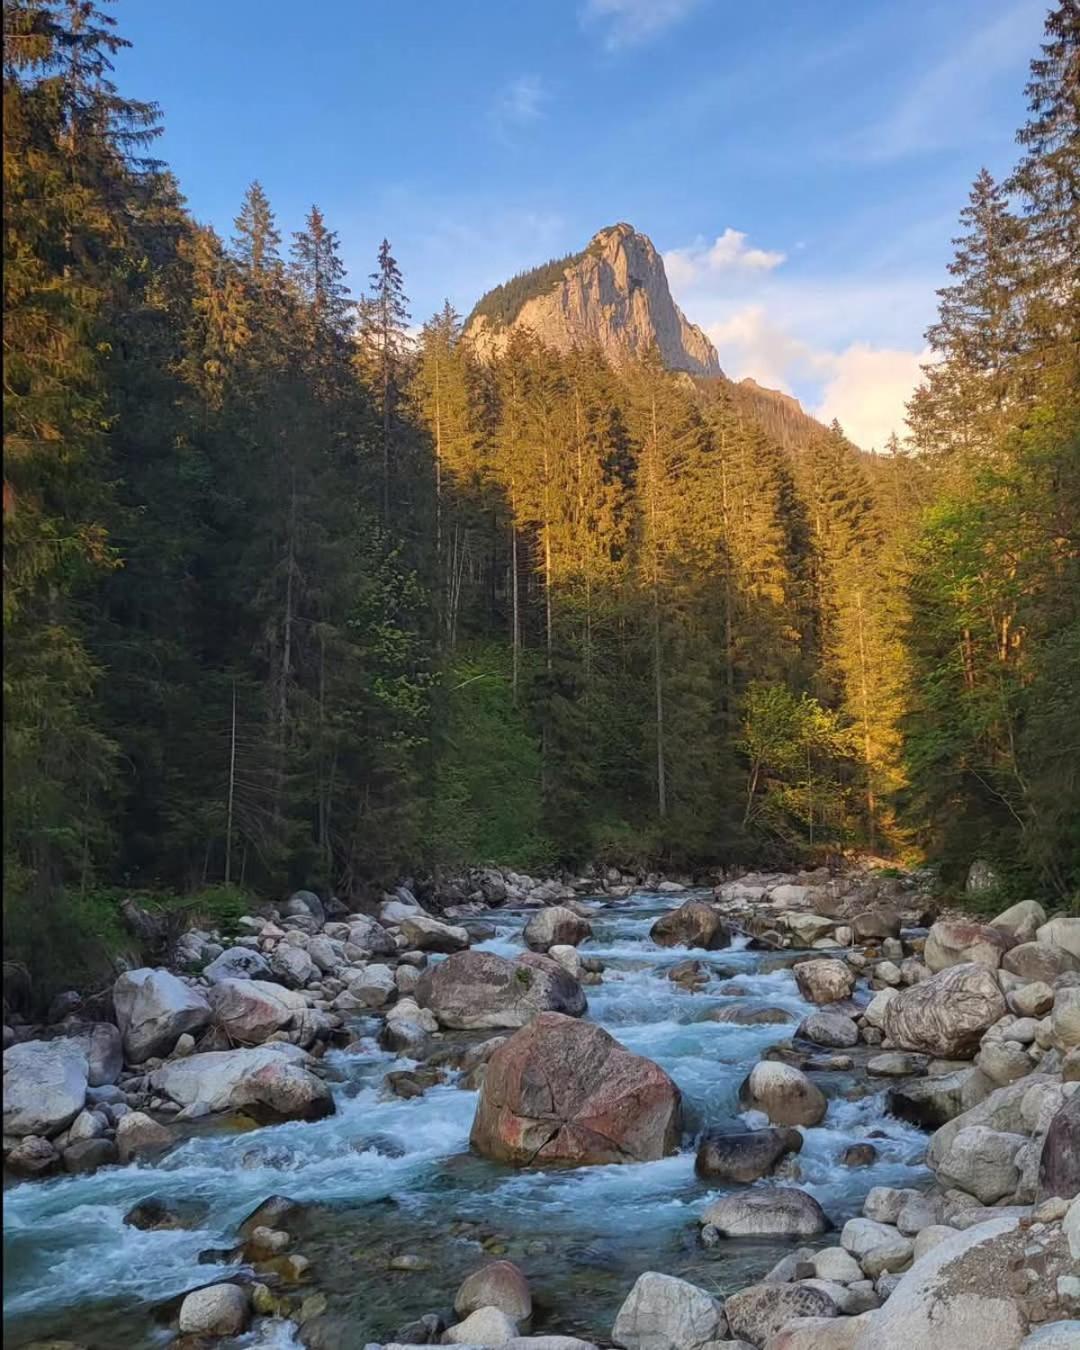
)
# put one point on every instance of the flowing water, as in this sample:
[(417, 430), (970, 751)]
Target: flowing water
[(385, 1177)]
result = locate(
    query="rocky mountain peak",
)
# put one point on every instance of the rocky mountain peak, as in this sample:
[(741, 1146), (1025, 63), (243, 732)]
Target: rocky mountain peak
[(613, 294)]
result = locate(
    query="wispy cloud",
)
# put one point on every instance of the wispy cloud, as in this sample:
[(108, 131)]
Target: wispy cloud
[(520, 103), (945, 105), (629, 23), (728, 252)]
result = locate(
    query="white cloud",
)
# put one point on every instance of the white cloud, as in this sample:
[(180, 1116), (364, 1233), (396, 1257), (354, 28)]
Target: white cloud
[(863, 386), (632, 22), (521, 102), (728, 252)]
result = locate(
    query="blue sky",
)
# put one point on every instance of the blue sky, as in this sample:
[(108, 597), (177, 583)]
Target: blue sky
[(800, 164)]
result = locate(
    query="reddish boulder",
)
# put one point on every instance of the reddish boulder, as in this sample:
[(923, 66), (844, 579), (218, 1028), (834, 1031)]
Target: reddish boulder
[(476, 990), (562, 1091)]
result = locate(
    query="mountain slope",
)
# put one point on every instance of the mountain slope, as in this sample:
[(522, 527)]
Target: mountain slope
[(614, 294)]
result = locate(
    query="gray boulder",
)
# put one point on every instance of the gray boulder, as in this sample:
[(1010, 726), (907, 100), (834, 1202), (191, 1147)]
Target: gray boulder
[(784, 1093), (556, 927), (45, 1086), (472, 990), (665, 1313), (217, 1310), (829, 1028), (773, 1211), (153, 1009), (251, 1010), (272, 1082), (982, 1162), (425, 934), (238, 963)]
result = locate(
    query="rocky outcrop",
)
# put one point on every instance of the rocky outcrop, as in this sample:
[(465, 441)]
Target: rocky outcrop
[(613, 295), (474, 990), (947, 1014), (563, 1091)]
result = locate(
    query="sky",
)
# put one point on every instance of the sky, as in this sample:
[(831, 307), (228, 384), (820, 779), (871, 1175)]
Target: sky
[(800, 165)]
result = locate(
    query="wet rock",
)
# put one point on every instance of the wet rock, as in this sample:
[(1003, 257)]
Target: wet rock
[(498, 1285), (774, 1211), (929, 1102), (740, 1015), (271, 1082), (954, 1297), (154, 1008), (829, 1028), (217, 1310), (859, 1155), (238, 963), (784, 1093), (45, 1085), (947, 1014), (565, 1091), (480, 989), (32, 1156), (744, 1155), (140, 1136), (274, 1212), (693, 924), (760, 1311), (156, 1213), (556, 927), (88, 1155), (955, 942), (665, 1313), (824, 980), (250, 1010), (691, 975)]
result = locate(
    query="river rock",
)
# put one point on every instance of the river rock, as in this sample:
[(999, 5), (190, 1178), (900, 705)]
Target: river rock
[(475, 990), (140, 1136), (895, 1064), (238, 963), (1003, 1061), (249, 1010), (955, 942), (1059, 1164), (292, 966), (1062, 932), (824, 980), (273, 1082), (982, 1162), (947, 1014), (784, 1093), (874, 1012), (498, 1285), (829, 1028), (665, 1313), (877, 1247), (425, 934), (743, 1155), (1039, 961), (767, 1211), (693, 924), (45, 1086), (31, 1156), (740, 1015), (953, 1297), (87, 1156), (484, 1327), (560, 1090), (217, 1310), (761, 1310), (556, 927), (153, 1009)]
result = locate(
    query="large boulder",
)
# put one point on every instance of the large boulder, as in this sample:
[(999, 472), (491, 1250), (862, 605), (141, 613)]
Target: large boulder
[(250, 1010), (44, 1086), (217, 1310), (238, 963), (824, 980), (665, 1313), (982, 1162), (271, 1082), (693, 924), (947, 1014), (556, 927), (784, 1093), (1039, 961), (292, 966), (1022, 920), (878, 1247), (476, 990), (758, 1312), (103, 1047), (767, 1211), (563, 1091), (1063, 933), (153, 1010), (954, 1296), (744, 1155), (425, 934), (1059, 1165), (955, 942)]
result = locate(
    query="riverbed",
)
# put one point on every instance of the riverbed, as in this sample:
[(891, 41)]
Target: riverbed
[(386, 1178)]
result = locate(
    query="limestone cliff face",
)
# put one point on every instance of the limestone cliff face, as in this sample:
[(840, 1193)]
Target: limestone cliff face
[(615, 295)]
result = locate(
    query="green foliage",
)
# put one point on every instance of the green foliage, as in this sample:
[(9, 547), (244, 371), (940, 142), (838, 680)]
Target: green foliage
[(502, 304)]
